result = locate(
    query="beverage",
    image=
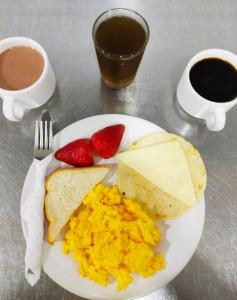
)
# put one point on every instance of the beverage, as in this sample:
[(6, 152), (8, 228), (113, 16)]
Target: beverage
[(120, 38), (214, 79), (20, 67)]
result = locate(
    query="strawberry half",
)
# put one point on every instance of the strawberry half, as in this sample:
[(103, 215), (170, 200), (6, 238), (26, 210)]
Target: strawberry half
[(106, 141), (76, 153)]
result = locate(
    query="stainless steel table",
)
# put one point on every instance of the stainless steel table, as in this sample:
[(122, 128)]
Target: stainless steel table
[(179, 29)]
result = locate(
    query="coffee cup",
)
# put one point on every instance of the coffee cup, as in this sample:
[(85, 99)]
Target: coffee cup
[(212, 112), (17, 101)]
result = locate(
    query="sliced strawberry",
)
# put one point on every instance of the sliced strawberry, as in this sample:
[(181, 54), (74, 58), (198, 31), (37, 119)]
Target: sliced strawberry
[(76, 153), (106, 141)]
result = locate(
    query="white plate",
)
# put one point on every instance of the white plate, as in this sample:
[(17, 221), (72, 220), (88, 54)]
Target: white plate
[(180, 236)]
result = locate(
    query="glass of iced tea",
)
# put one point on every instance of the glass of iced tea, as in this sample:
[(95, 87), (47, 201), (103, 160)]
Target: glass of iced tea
[(120, 38)]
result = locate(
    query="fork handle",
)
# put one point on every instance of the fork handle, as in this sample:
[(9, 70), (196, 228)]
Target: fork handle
[(32, 214)]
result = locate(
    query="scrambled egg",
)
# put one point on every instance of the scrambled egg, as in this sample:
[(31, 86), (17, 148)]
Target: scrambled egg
[(111, 235)]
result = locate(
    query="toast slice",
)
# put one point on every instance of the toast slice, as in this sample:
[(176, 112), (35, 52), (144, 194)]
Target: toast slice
[(65, 190)]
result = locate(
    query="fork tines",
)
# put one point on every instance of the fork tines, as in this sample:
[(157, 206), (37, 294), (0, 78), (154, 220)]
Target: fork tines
[(43, 139)]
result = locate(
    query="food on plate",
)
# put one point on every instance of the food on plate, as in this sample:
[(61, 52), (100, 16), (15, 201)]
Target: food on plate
[(65, 190), (158, 176), (196, 165), (106, 141), (110, 235), (164, 172), (77, 153)]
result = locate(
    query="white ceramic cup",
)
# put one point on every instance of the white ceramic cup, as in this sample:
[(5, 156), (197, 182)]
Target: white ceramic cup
[(16, 102), (213, 113)]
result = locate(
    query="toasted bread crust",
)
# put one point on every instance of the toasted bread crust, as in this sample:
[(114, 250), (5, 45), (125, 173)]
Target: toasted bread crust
[(55, 172)]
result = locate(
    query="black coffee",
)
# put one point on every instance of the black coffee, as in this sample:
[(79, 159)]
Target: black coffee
[(214, 79)]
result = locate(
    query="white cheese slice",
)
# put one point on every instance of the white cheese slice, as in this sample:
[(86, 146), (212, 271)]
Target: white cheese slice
[(165, 166)]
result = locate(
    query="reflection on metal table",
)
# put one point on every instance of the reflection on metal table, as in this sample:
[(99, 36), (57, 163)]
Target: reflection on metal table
[(179, 29)]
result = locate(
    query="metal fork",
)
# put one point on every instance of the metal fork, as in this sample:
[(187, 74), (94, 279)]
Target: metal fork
[(43, 136), (32, 210)]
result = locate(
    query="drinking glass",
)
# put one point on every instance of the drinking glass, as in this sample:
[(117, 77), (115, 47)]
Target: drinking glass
[(118, 71)]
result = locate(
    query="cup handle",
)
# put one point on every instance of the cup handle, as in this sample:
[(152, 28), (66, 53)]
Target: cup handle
[(215, 120), (12, 109)]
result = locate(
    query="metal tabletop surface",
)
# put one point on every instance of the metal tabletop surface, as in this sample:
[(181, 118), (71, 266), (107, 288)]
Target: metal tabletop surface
[(179, 29)]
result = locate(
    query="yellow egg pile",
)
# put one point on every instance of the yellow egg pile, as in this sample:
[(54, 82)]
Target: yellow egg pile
[(110, 234)]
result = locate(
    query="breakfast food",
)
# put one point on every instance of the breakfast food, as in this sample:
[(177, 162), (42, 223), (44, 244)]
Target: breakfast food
[(195, 163), (77, 153), (65, 190), (110, 235), (106, 141), (163, 171)]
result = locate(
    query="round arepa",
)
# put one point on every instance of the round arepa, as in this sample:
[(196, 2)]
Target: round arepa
[(194, 160)]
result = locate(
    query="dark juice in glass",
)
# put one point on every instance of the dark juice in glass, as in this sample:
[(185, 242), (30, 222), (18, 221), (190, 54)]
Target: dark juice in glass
[(120, 40)]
